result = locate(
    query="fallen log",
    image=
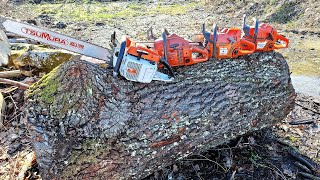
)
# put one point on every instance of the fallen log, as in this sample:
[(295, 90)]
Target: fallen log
[(87, 124)]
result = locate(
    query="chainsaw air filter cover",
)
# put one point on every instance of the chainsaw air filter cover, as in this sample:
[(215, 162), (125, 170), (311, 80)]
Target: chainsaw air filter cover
[(137, 70), (141, 70)]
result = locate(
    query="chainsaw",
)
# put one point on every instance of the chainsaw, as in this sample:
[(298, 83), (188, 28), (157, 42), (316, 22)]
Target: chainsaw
[(133, 62), (179, 51), (168, 51), (264, 36), (137, 62), (227, 43)]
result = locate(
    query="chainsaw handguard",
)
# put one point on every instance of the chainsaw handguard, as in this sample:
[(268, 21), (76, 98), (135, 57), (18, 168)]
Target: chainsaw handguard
[(250, 47), (121, 52), (204, 53), (281, 38)]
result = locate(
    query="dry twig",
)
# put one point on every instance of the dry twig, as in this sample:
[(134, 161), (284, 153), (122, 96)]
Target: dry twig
[(10, 74), (20, 85)]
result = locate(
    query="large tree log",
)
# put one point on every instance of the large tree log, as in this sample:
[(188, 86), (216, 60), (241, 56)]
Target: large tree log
[(86, 124)]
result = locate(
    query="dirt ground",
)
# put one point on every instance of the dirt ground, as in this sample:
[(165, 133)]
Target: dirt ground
[(288, 150)]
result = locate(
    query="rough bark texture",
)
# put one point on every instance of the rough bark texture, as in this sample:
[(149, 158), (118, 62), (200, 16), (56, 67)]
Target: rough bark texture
[(87, 124)]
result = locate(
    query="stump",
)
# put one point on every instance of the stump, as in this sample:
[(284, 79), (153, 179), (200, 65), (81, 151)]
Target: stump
[(87, 124)]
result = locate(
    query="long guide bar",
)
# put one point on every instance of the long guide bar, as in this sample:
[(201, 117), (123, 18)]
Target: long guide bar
[(57, 40)]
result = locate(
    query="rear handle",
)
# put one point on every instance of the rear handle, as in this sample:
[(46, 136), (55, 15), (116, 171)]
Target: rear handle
[(251, 47), (281, 38), (204, 52)]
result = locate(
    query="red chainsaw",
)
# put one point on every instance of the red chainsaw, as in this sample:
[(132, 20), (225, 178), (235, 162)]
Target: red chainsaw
[(227, 43), (264, 36), (177, 50)]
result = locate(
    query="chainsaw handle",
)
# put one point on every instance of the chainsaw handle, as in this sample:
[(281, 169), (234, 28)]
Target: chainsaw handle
[(204, 52), (251, 47), (281, 38), (144, 49)]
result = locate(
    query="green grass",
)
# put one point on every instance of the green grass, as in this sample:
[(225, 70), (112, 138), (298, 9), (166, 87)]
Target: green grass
[(302, 60), (97, 11)]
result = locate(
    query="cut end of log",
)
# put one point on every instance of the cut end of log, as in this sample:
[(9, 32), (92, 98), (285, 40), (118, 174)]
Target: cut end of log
[(86, 124)]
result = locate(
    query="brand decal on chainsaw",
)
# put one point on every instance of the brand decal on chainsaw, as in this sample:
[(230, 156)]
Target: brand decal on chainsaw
[(223, 51), (49, 37), (261, 45)]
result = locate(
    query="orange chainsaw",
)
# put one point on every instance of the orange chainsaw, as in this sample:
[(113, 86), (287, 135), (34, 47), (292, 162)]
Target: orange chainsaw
[(179, 51), (265, 37), (227, 43), (136, 62)]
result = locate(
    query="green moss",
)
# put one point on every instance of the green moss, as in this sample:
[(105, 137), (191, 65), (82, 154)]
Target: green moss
[(47, 86), (90, 150), (291, 24), (42, 58), (273, 2), (293, 139), (174, 9)]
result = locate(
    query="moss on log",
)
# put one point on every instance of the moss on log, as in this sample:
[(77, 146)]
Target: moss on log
[(87, 124)]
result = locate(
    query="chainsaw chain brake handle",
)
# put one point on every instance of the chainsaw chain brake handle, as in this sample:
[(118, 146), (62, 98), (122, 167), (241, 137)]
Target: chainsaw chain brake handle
[(214, 47), (256, 30), (150, 35), (120, 55), (113, 39), (246, 29), (207, 37), (164, 60)]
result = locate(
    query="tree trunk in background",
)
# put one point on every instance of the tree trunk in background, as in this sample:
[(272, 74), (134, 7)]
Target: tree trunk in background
[(86, 124)]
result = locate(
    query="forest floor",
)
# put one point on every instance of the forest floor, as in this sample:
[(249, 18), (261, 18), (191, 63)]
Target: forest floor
[(288, 150)]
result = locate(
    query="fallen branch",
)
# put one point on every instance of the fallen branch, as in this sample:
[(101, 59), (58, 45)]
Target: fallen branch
[(302, 160), (308, 121), (2, 107), (8, 90), (14, 83), (307, 108), (303, 167), (10, 74), (307, 175)]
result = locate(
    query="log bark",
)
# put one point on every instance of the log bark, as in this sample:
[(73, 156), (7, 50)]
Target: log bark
[(87, 124)]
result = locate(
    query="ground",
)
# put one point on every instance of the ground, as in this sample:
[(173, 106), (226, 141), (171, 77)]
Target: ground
[(264, 154)]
